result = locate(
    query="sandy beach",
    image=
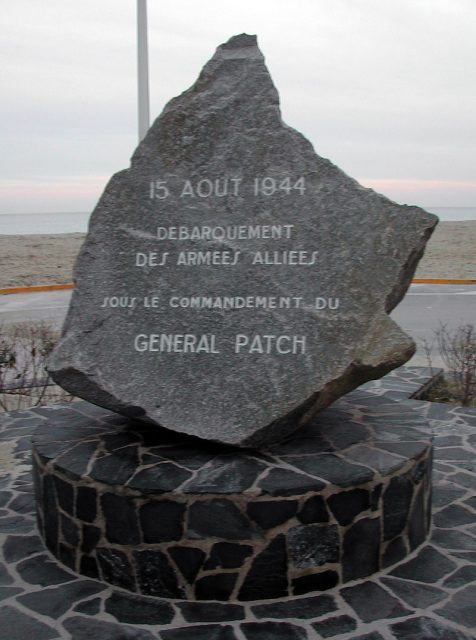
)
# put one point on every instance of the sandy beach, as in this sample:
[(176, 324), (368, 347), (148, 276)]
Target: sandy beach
[(48, 259)]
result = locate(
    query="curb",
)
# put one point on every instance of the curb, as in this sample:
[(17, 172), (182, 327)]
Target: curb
[(443, 281), (70, 285), (38, 287)]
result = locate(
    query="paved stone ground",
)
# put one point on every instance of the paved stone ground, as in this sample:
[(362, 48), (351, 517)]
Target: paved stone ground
[(431, 595)]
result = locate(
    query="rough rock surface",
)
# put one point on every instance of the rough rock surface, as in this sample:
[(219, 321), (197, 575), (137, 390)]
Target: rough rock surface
[(233, 283)]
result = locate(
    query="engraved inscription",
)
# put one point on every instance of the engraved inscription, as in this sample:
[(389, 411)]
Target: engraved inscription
[(180, 241)]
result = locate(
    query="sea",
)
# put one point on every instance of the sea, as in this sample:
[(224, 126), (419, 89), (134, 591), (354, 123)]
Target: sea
[(49, 223)]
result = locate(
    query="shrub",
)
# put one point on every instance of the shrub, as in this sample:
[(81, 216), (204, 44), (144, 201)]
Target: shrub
[(24, 381), (457, 349)]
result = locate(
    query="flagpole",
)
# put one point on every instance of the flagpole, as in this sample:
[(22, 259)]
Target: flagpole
[(142, 69)]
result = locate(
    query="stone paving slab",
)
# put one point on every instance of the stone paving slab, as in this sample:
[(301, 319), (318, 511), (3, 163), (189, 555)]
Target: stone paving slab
[(431, 595)]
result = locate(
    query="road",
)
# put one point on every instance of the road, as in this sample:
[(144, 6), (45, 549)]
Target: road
[(426, 307), (420, 313)]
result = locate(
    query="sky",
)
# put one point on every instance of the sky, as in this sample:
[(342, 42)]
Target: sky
[(386, 89)]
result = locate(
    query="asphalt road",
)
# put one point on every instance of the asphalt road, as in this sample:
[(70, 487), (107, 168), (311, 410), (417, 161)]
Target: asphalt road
[(426, 307), (421, 312)]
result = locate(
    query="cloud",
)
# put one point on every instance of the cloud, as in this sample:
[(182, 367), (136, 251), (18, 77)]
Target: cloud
[(384, 89)]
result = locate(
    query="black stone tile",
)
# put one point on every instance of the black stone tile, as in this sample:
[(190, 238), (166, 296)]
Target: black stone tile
[(456, 454), (375, 498), (471, 502), (467, 480), (417, 525), (272, 631), (86, 628), (115, 568), (425, 628), (453, 516), (132, 609), (161, 521), (305, 608), (82, 406), (461, 577), (335, 626), (116, 468), (416, 595), (88, 566), (55, 601), (211, 612), (421, 470), (86, 508), (383, 462), (90, 538), (23, 503), (443, 468), (217, 518), (267, 577), (284, 482), (468, 556), (314, 510), (74, 463), (5, 577), (67, 555), (269, 513), (17, 524), (187, 455), (371, 602), (333, 469), (406, 449), (5, 497), (395, 551), (21, 626), (227, 474), (8, 592), (445, 495), (312, 545), (461, 608), (228, 555), (43, 571), (314, 582), (453, 540), (90, 607), (346, 505), (373, 635), (69, 530), (189, 560), (162, 478), (438, 411), (120, 513), (361, 554), (199, 632), (448, 441), (65, 493), (121, 440), (396, 504), (428, 566), (17, 547), (51, 523), (344, 433), (155, 576), (218, 586)]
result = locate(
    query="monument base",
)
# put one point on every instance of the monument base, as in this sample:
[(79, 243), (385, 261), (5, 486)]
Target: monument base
[(163, 515)]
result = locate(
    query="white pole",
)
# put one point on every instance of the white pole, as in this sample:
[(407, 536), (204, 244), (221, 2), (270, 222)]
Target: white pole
[(142, 69)]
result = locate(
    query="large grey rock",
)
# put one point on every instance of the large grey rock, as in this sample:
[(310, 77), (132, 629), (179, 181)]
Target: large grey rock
[(232, 282)]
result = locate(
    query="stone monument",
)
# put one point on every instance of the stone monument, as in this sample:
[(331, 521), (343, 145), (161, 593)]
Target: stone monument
[(232, 285), (232, 282)]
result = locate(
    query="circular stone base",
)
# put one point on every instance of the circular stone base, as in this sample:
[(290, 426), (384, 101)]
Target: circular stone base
[(170, 516)]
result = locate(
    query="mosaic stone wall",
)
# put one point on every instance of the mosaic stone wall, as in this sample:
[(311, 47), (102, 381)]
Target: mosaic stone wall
[(167, 516)]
